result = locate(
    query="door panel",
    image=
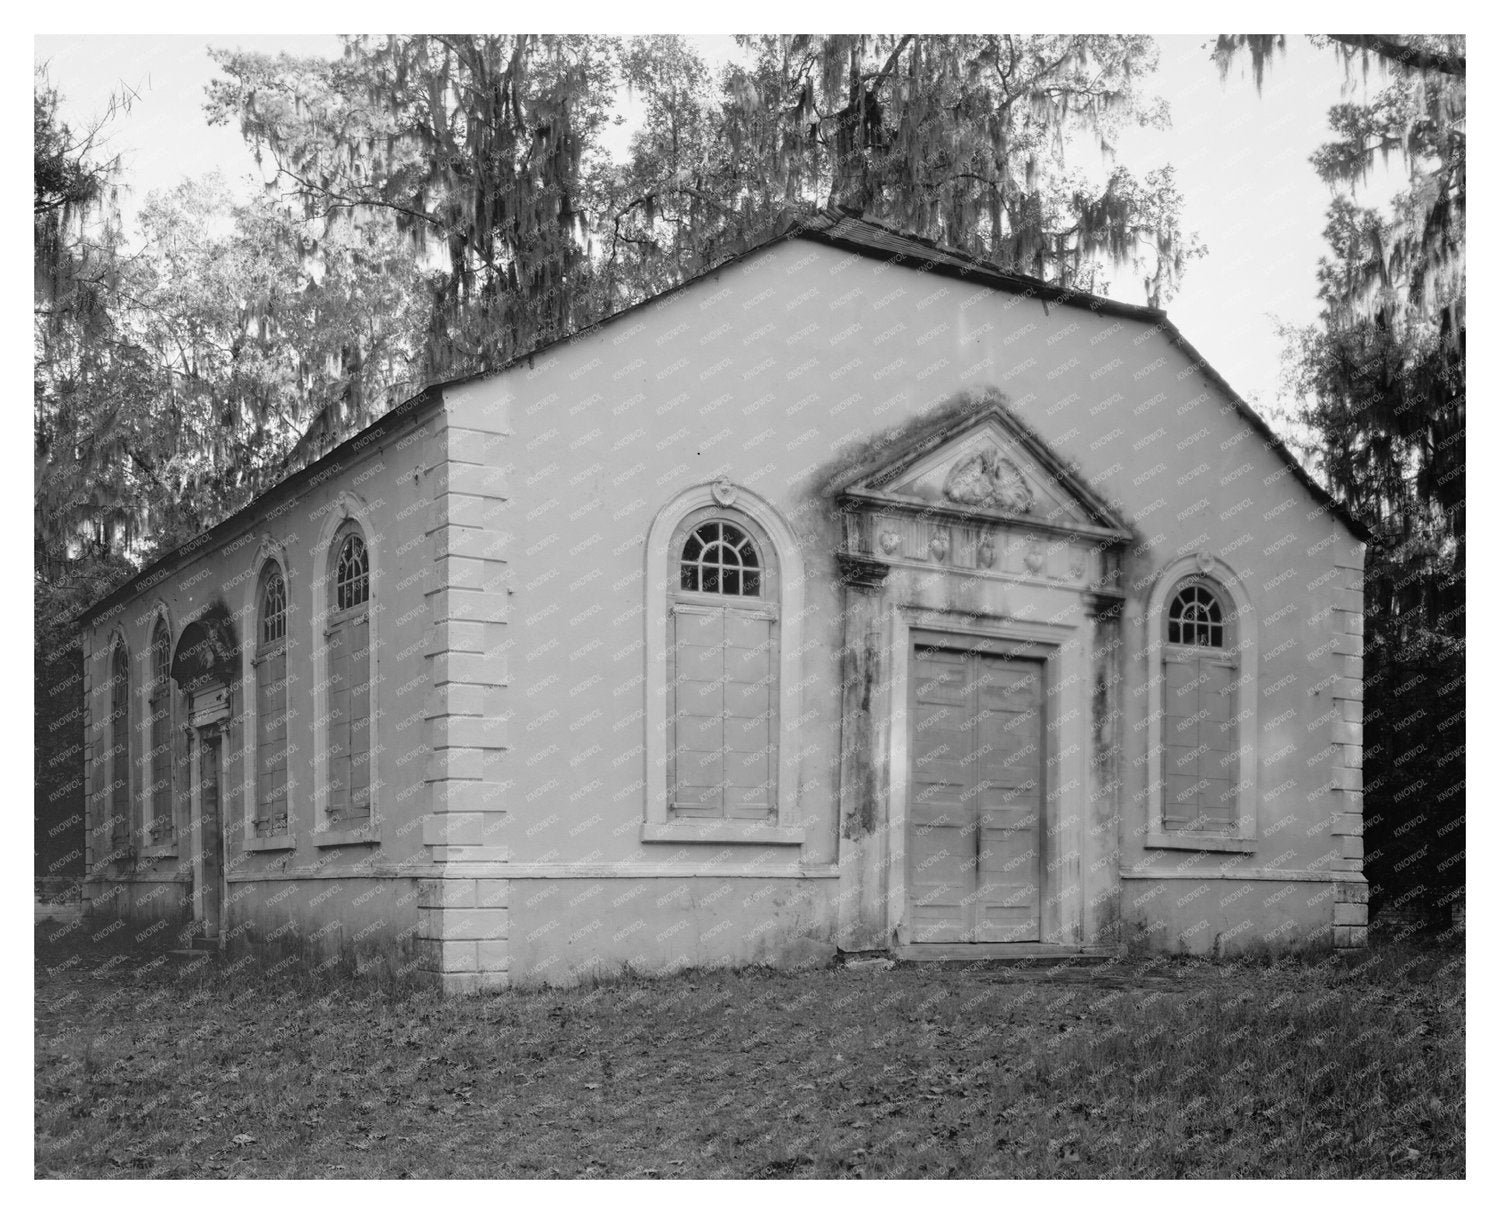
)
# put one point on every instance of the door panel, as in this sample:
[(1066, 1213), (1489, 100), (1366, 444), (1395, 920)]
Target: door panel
[(942, 827), (976, 798), (213, 835)]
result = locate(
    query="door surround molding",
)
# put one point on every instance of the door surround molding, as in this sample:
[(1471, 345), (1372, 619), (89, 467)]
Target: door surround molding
[(209, 719), (1062, 653)]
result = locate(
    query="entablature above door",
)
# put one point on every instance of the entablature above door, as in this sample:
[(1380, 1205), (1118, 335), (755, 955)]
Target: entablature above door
[(981, 496)]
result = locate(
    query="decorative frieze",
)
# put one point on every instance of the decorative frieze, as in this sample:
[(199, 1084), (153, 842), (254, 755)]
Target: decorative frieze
[(996, 549)]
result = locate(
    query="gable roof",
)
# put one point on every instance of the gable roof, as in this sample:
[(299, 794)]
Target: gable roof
[(837, 229)]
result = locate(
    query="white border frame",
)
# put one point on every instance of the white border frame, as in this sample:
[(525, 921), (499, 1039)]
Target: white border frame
[(1214, 570), (146, 849), (270, 549), (345, 508), (133, 690), (730, 499)]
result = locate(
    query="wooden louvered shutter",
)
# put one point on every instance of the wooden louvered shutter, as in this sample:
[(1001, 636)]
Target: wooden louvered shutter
[(1199, 741), (271, 744), (722, 761), (349, 719), (749, 713), (119, 741)]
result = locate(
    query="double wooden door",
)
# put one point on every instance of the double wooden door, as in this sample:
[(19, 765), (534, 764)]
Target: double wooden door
[(211, 812), (974, 845)]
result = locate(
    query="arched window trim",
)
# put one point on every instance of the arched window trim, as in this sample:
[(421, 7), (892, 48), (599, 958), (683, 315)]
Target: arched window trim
[(1241, 647), (780, 551), (271, 566), (160, 772), (119, 800), (347, 510), (701, 534), (270, 553)]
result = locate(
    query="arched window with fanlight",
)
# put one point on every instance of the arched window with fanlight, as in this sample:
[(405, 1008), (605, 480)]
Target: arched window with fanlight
[(723, 668), (271, 675), (118, 801), (348, 639), (162, 824), (1200, 725)]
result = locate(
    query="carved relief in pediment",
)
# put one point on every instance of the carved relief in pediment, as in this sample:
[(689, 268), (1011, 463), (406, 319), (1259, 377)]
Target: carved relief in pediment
[(987, 480)]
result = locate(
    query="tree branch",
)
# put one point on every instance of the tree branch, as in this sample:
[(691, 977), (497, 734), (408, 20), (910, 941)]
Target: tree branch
[(1417, 58)]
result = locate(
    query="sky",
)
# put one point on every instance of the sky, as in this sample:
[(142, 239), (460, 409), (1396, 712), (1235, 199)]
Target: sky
[(1241, 157)]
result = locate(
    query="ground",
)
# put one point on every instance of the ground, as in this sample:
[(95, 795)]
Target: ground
[(154, 1065)]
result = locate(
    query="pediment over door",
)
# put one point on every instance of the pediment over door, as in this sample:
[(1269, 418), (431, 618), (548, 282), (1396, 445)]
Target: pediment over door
[(983, 494)]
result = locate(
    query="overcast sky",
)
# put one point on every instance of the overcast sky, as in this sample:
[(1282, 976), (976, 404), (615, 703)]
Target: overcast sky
[(1241, 159)]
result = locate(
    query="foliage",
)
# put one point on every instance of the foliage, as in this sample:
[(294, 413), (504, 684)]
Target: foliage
[(447, 201), (176, 379), (1382, 381), (75, 217), (961, 138), (474, 144), (958, 138), (489, 152)]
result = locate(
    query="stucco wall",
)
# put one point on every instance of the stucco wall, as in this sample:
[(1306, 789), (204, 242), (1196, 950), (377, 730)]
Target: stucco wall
[(386, 487), (775, 372), (509, 535), (572, 929)]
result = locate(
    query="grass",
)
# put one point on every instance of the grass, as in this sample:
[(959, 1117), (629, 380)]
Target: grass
[(148, 1065)]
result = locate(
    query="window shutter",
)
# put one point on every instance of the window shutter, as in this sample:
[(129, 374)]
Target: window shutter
[(749, 715), (119, 801), (359, 717), (722, 761), (1218, 762), (161, 766), (695, 776), (338, 721), (1201, 764), (271, 744), (1180, 741)]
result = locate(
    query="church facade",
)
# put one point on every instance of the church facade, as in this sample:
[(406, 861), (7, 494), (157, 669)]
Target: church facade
[(853, 595)]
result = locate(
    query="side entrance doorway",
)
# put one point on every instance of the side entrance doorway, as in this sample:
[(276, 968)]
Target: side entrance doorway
[(210, 816)]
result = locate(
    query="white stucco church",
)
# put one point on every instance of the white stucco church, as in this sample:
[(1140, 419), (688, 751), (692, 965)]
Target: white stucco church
[(852, 595)]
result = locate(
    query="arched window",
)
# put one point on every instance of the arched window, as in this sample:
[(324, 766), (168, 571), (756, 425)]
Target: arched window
[(163, 826), (723, 667), (349, 680), (1200, 727), (270, 704), (119, 748), (1196, 618), (719, 558)]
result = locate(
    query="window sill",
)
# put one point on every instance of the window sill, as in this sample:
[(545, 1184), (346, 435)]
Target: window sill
[(721, 831), (159, 851), (269, 843), (366, 835), (1182, 841)]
